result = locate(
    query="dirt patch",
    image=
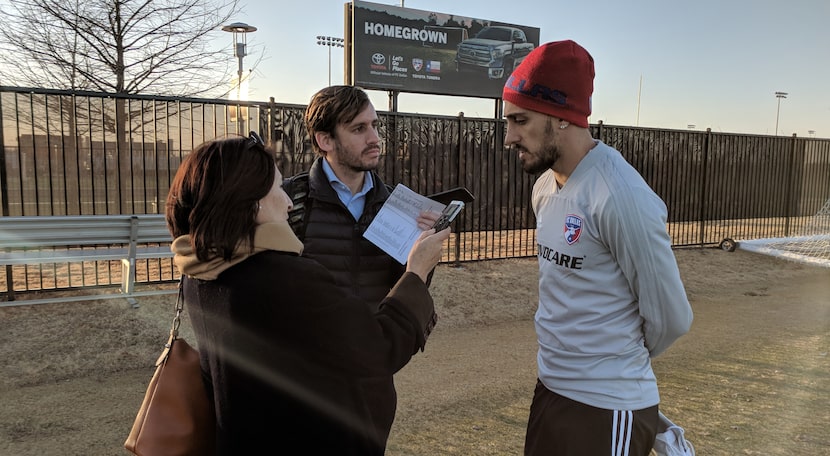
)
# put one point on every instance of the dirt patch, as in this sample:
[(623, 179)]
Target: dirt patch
[(752, 377)]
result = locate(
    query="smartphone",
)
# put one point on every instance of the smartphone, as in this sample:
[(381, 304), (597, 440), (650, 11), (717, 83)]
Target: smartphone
[(448, 215)]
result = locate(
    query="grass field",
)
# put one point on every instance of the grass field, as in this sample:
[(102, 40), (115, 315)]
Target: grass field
[(751, 378)]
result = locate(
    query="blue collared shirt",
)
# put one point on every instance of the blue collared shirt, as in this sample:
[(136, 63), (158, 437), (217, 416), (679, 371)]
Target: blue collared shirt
[(354, 203)]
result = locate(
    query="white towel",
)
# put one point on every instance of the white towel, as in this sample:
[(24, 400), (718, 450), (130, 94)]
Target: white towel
[(670, 440)]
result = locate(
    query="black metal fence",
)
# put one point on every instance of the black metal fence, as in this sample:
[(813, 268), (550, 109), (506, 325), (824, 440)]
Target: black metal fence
[(94, 153)]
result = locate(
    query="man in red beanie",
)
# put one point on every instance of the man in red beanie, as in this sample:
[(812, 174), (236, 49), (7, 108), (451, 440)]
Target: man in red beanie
[(610, 294)]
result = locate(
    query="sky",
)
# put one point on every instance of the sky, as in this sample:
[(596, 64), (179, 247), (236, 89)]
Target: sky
[(664, 64), (659, 63)]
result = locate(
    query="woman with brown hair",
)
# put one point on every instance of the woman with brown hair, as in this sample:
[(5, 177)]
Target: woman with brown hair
[(282, 347)]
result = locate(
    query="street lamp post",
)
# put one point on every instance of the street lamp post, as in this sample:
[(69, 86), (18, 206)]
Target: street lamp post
[(239, 30), (330, 42), (778, 95)]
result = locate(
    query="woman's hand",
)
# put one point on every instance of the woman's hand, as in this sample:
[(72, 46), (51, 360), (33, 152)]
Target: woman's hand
[(426, 252)]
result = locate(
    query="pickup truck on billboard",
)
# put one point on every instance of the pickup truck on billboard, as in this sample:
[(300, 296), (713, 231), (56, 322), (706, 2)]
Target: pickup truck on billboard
[(496, 50)]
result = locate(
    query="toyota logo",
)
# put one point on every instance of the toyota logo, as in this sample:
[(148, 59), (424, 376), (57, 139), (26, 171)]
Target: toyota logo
[(378, 58)]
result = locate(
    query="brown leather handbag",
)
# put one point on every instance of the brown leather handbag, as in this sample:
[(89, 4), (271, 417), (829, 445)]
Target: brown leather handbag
[(177, 416)]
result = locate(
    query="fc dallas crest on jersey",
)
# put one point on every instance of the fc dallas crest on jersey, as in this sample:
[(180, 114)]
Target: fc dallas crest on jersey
[(573, 228)]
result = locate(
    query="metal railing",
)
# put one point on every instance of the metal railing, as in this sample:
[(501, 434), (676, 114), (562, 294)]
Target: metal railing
[(95, 153)]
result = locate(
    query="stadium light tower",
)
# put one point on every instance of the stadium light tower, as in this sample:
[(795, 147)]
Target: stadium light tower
[(778, 95), (329, 42)]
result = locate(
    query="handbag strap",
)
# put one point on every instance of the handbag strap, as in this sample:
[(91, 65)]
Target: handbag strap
[(177, 321)]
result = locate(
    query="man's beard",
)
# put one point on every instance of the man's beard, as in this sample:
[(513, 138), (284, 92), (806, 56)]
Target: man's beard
[(543, 161), (546, 157), (353, 161)]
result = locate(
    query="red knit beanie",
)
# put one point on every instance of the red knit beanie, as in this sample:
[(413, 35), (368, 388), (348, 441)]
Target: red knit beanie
[(556, 79)]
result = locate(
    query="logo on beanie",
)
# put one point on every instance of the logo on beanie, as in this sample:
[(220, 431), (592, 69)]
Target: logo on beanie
[(540, 91)]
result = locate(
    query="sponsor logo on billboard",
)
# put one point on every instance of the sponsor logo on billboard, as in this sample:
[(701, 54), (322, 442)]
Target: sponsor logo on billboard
[(378, 61), (417, 64), (434, 66)]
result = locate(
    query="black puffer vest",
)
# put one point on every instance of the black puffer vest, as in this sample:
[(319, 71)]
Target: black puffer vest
[(333, 238)]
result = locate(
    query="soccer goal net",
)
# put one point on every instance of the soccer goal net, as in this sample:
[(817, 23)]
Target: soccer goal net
[(811, 245)]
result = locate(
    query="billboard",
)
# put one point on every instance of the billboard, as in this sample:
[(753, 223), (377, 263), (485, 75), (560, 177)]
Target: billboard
[(409, 50)]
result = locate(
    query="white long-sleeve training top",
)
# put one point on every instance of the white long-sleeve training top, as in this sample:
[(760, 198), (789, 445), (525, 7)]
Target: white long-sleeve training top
[(610, 294)]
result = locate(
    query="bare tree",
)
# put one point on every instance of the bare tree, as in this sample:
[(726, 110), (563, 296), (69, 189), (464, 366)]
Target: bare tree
[(120, 46), (125, 47)]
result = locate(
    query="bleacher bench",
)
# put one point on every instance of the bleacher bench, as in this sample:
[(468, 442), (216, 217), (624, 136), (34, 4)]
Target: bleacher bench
[(30, 240)]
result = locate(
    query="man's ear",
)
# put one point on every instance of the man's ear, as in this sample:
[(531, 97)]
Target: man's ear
[(324, 141)]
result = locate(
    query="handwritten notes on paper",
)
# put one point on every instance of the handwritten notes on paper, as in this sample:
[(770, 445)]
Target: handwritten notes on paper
[(395, 228)]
